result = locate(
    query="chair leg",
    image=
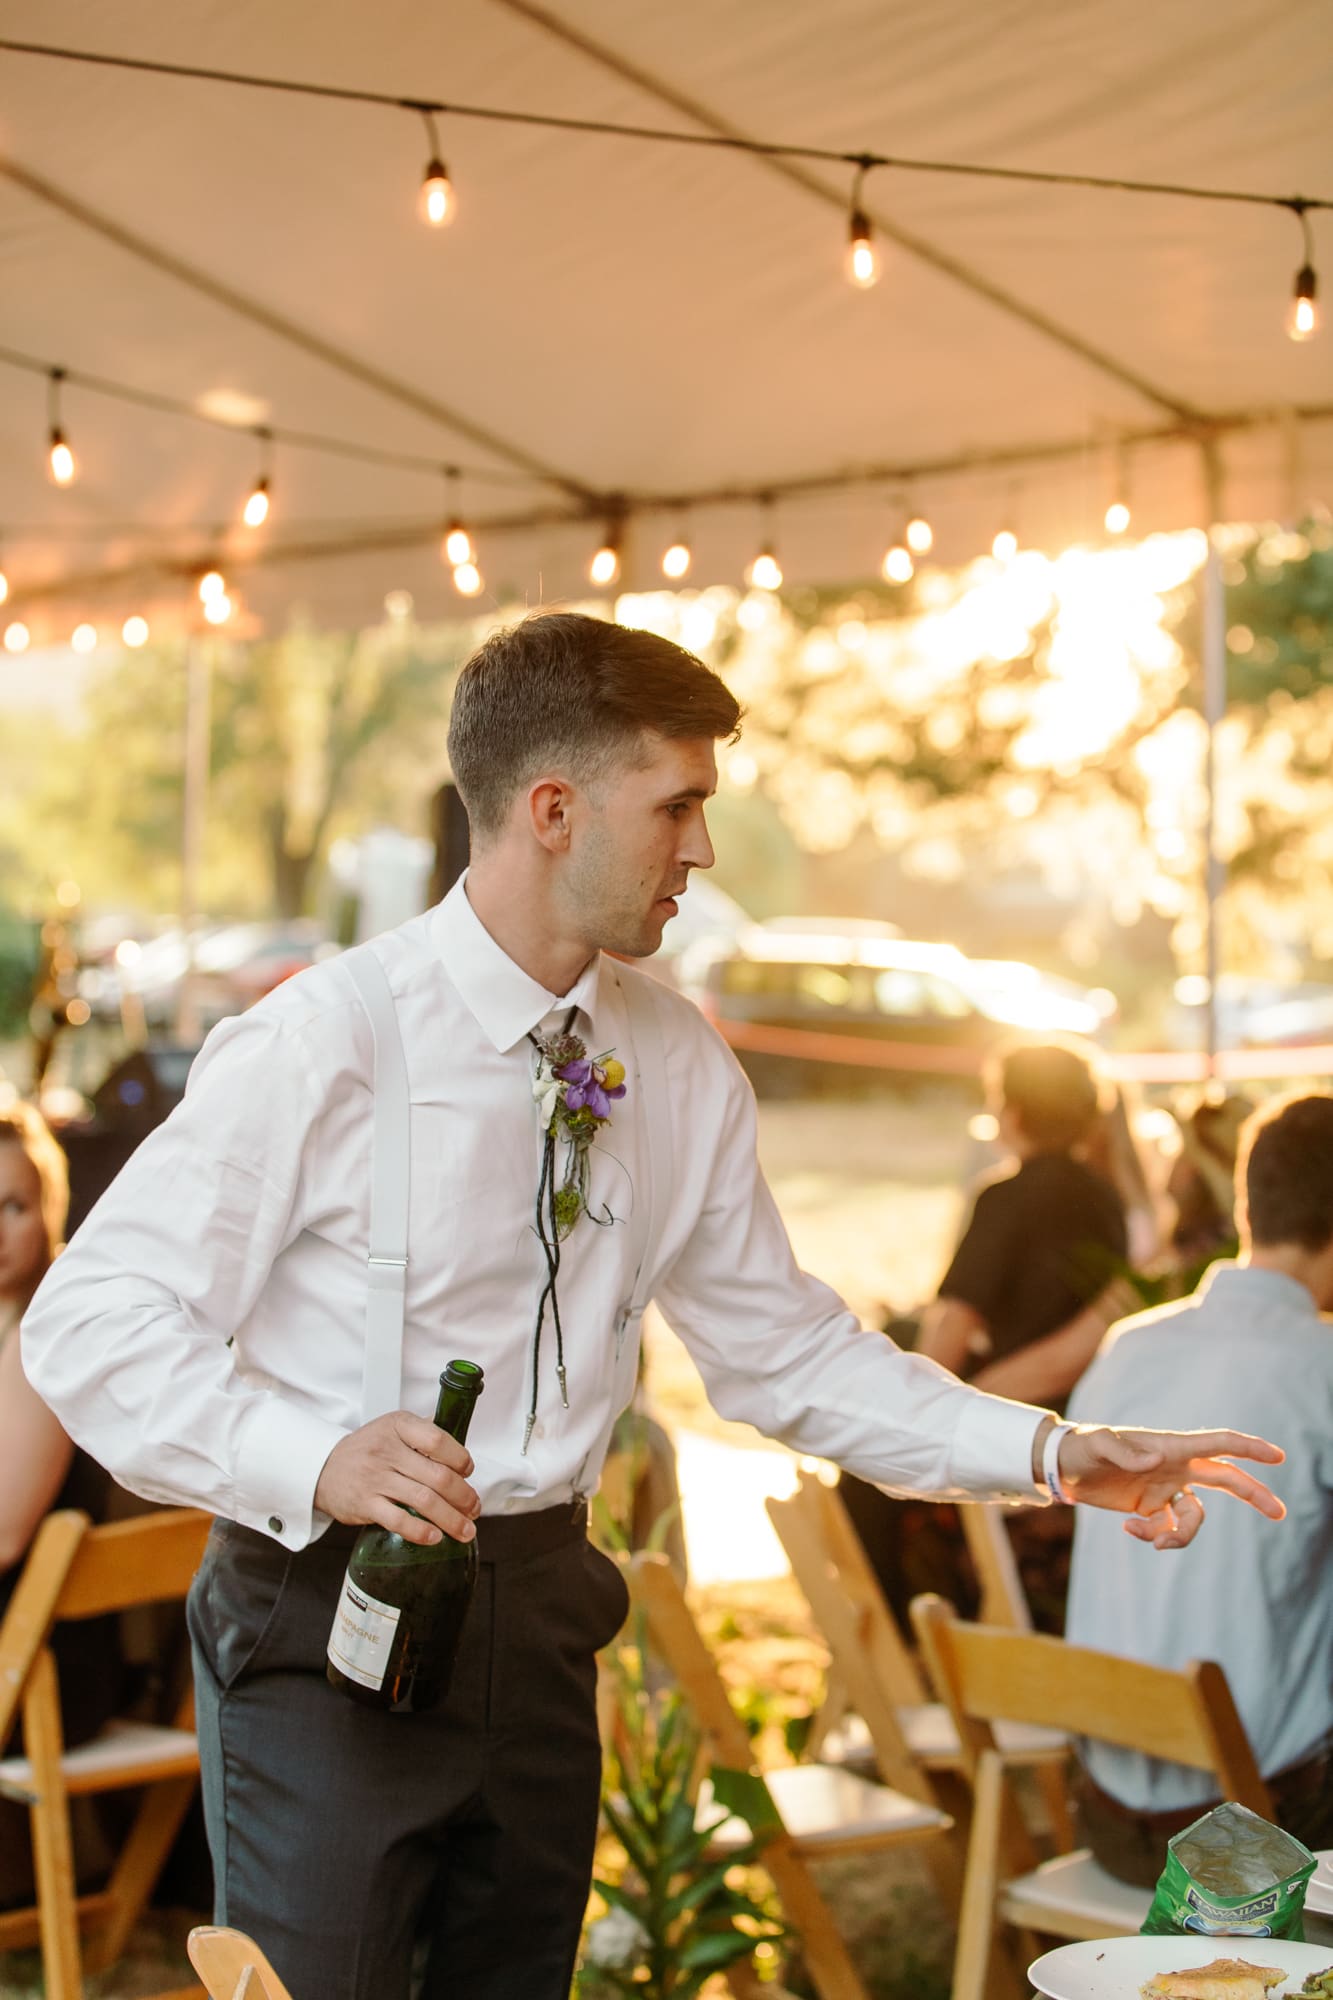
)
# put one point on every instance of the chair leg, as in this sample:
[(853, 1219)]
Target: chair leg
[(141, 1860), (52, 1848), (976, 1918), (1055, 1795), (826, 1956)]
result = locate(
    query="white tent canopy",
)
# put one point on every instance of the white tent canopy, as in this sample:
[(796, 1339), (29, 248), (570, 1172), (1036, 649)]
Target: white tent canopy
[(609, 316)]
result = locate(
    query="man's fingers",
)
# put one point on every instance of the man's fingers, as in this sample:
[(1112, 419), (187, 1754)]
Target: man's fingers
[(1235, 1444), (455, 1520), (431, 1442), (1227, 1478)]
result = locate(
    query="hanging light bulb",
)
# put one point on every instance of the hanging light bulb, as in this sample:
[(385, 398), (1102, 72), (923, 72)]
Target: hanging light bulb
[(135, 631), (17, 636), (256, 509), (217, 608), (1303, 312), (765, 572), (60, 459), (83, 638), (468, 579), (897, 566), (1117, 518), (920, 535), (1005, 546), (435, 202), (862, 260), (676, 561), (457, 546), (211, 584), (605, 565), (4, 586)]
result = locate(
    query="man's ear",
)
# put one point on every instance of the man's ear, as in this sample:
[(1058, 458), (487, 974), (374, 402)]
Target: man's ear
[(550, 813)]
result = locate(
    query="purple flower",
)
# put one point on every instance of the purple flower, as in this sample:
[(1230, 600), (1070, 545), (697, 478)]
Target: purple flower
[(576, 1072)]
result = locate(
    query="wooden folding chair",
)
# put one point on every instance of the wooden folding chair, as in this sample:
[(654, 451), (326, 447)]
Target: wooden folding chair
[(232, 1966), (872, 1669), (824, 1811), (987, 1675), (77, 1571)]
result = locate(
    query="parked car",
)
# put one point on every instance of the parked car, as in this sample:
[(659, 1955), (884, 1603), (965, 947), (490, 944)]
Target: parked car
[(233, 965), (862, 982)]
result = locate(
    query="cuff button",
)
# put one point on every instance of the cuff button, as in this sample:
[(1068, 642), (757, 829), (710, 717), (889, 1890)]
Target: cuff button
[(276, 1524)]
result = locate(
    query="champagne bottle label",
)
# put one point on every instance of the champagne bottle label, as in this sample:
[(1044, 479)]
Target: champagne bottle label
[(362, 1636)]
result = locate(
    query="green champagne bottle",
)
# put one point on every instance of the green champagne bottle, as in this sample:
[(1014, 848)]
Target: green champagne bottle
[(400, 1616)]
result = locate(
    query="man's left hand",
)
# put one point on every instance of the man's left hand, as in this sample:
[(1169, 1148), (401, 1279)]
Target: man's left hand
[(1152, 1477)]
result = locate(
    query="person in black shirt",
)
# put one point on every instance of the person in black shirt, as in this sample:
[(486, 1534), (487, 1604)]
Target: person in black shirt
[(1035, 1281)]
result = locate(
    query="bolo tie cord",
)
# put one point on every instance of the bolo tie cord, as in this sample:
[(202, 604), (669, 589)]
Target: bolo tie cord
[(546, 1191)]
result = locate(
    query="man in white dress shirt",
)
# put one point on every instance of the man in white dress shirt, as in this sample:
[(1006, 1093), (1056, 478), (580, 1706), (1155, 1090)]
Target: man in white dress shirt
[(203, 1337), (1250, 1341)]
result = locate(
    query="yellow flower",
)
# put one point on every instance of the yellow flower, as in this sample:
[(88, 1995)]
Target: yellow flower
[(613, 1073)]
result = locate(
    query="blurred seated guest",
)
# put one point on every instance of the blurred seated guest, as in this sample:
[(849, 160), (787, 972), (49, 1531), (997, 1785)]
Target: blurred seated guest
[(1033, 1285), (1250, 1341), (1201, 1185), (39, 1467), (1047, 1235)]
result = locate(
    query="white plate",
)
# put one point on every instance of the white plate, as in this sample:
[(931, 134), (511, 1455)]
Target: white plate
[(1319, 1888), (1115, 1968)]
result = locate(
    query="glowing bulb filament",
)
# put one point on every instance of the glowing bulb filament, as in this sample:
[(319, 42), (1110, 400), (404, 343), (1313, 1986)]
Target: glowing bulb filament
[(1303, 313), (605, 565), (4, 586), (676, 560), (211, 585), (766, 571), (435, 203), (63, 467), (897, 566), (458, 544), (257, 506), (467, 579), (1117, 518), (84, 638), (920, 535), (1005, 546), (862, 262), (17, 636), (217, 608), (134, 631)]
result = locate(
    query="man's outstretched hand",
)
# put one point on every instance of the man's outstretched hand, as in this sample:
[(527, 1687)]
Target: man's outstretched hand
[(1152, 1475)]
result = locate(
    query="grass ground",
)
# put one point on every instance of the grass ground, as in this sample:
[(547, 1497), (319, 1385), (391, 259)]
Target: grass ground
[(869, 1193)]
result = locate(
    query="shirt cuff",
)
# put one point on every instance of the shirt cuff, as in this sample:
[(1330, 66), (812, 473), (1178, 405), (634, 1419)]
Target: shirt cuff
[(282, 1453), (992, 1449)]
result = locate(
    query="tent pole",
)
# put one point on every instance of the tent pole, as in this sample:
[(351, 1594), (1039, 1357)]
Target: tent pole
[(1214, 650)]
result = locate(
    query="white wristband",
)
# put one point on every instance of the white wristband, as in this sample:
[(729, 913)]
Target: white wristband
[(1050, 1464)]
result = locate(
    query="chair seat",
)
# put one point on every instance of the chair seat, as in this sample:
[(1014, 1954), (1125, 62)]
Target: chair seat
[(1073, 1896), (823, 1803), (109, 1759)]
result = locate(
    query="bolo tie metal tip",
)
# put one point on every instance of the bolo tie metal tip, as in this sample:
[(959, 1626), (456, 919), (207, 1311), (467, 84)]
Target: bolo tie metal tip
[(527, 1432), (564, 1393)]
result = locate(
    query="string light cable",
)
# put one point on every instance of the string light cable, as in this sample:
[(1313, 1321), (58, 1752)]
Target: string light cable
[(861, 161)]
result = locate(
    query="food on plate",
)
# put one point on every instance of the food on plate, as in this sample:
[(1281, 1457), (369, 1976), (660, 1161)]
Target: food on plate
[(1223, 1979), (1320, 1984)]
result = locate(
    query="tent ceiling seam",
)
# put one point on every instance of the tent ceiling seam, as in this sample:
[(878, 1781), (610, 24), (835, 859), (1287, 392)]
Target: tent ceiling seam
[(276, 323), (939, 260)]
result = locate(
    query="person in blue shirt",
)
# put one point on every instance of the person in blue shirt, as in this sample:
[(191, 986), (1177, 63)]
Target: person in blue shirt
[(1251, 1343)]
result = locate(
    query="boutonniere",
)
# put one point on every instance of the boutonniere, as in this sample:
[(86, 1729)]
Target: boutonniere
[(574, 1093)]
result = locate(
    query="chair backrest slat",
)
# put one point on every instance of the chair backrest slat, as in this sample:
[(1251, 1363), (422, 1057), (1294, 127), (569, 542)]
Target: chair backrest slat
[(147, 1559), (1003, 1599), (1188, 1717)]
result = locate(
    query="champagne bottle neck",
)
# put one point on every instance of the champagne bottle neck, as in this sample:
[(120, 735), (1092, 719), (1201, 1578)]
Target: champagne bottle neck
[(453, 1412)]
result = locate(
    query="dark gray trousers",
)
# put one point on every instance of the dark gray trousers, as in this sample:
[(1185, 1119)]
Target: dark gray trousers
[(366, 1852)]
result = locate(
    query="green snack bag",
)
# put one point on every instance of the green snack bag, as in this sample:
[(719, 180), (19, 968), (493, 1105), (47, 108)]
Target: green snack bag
[(1231, 1874)]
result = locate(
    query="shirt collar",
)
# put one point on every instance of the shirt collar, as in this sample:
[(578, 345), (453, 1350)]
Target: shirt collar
[(1273, 1286), (506, 1002)]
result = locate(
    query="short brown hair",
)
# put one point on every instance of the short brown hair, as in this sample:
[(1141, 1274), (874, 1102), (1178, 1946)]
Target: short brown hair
[(23, 1125), (1054, 1089), (1284, 1171), (580, 689)]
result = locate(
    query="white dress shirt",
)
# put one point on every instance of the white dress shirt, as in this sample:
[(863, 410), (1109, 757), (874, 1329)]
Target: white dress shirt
[(1248, 1351), (202, 1335)]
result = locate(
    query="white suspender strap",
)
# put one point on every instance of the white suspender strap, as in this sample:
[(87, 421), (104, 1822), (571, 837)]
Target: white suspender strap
[(386, 1270)]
